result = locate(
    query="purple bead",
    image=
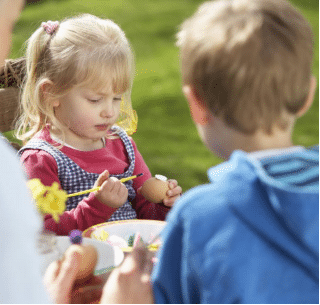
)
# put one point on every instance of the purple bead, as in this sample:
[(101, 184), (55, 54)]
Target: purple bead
[(75, 236)]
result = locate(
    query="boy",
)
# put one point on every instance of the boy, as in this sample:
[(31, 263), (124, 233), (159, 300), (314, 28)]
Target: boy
[(251, 235)]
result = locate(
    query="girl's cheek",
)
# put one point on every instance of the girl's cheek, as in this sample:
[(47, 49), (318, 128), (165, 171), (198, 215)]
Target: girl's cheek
[(89, 120)]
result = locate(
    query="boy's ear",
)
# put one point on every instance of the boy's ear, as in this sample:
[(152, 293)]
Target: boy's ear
[(199, 111), (46, 89), (310, 97)]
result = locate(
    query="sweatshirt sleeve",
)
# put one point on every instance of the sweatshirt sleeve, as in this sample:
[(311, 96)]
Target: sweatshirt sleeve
[(90, 211), (144, 208)]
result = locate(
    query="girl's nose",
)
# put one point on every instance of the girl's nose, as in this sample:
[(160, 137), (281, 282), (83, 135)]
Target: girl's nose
[(107, 111)]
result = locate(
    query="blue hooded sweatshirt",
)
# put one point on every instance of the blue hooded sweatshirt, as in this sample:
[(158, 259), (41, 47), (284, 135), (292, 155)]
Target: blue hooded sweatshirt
[(250, 236)]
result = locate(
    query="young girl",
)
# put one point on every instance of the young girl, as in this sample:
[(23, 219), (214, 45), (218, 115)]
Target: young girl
[(76, 111)]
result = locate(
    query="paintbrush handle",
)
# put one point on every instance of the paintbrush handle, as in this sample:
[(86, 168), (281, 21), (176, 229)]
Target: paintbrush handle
[(98, 187), (84, 192), (129, 178)]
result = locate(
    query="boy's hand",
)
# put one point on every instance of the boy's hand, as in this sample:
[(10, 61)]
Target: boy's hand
[(112, 193), (130, 282), (173, 193), (60, 281)]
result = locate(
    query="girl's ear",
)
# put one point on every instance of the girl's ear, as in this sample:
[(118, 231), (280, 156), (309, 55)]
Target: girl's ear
[(310, 97), (46, 89), (199, 112)]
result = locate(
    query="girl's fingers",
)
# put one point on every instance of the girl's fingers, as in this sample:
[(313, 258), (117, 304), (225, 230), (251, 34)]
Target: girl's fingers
[(178, 190), (168, 203), (102, 178), (123, 191), (139, 190), (108, 185), (172, 183), (174, 192), (171, 200), (118, 188), (115, 186)]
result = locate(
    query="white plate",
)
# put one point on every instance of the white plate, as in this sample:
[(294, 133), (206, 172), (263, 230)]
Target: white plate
[(148, 229), (108, 256)]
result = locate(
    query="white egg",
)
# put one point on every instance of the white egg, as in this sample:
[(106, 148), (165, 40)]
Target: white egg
[(115, 240)]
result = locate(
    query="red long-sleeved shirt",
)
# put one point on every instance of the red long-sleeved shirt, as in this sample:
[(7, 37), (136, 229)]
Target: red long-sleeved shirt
[(90, 211)]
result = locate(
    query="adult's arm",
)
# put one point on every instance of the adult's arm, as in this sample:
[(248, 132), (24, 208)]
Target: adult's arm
[(20, 270)]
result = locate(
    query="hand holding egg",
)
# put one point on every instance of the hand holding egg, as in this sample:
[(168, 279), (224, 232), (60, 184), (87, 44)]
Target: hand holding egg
[(88, 256), (159, 189), (65, 278)]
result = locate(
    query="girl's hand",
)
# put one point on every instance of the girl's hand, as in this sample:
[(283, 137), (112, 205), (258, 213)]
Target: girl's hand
[(173, 193), (112, 193)]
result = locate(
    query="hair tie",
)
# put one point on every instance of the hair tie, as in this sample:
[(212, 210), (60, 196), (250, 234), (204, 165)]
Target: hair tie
[(50, 26)]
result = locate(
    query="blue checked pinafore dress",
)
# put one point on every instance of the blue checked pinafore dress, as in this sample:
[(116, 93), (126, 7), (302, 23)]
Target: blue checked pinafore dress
[(74, 179)]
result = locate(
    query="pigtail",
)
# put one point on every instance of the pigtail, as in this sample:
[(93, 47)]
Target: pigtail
[(32, 110)]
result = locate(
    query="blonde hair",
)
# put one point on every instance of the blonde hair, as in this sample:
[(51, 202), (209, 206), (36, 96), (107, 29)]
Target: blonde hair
[(248, 60), (83, 51)]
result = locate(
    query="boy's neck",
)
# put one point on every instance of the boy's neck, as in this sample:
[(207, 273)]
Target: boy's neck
[(263, 141), (229, 140)]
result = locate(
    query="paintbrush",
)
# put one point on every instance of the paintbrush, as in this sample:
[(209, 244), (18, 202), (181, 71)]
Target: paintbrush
[(98, 187)]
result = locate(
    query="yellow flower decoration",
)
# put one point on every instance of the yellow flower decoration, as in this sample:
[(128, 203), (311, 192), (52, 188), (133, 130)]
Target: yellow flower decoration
[(102, 236), (49, 199), (37, 188)]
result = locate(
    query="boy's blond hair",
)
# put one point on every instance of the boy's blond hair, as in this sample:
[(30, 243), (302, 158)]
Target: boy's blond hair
[(83, 51), (248, 60)]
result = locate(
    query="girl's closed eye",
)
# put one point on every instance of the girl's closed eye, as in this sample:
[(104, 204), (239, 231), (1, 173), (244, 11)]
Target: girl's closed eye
[(94, 100), (117, 98)]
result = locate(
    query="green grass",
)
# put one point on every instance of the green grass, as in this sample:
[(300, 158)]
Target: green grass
[(166, 136)]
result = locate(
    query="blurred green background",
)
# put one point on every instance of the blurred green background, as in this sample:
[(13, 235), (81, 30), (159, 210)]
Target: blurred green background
[(166, 136)]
